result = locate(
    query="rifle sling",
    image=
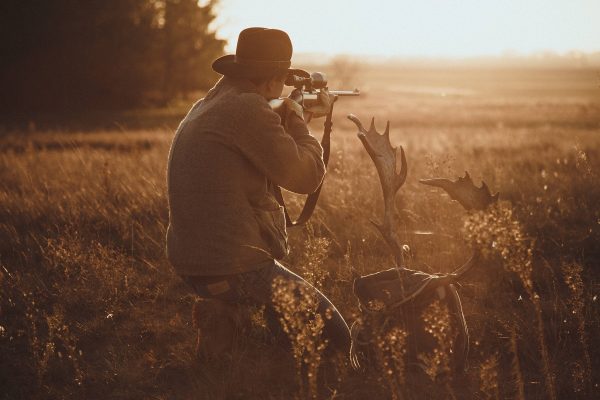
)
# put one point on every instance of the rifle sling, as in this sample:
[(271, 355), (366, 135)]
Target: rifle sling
[(311, 200)]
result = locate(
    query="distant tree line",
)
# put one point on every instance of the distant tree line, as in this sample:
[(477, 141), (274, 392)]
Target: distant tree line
[(111, 54)]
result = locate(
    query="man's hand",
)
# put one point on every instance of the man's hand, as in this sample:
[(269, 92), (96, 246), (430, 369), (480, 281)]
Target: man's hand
[(323, 106)]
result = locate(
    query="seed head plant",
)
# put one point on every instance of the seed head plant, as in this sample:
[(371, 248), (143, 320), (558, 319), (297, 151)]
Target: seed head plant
[(488, 378), (582, 368), (314, 252), (437, 320), (390, 351), (499, 233), (299, 318)]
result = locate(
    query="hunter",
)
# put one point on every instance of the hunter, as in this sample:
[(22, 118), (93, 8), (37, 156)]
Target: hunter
[(226, 229)]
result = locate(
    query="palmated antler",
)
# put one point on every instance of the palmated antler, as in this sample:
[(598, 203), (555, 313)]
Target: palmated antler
[(465, 192), (386, 291), (385, 158)]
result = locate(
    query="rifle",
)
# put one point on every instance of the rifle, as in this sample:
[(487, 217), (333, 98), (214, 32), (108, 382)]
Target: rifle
[(306, 93), (307, 87)]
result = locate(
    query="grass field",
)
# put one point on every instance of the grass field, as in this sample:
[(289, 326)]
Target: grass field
[(90, 308)]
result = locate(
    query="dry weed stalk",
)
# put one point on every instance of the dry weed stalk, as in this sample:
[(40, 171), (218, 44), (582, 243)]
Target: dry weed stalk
[(437, 322), (315, 251), (546, 365), (59, 333), (516, 365), (390, 351), (300, 320), (488, 378), (57, 344), (499, 232), (582, 161), (572, 276)]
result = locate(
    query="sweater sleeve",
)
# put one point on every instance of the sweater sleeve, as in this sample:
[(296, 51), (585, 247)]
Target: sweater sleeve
[(290, 157)]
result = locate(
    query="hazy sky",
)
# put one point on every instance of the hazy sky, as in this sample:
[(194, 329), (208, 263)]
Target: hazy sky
[(455, 28)]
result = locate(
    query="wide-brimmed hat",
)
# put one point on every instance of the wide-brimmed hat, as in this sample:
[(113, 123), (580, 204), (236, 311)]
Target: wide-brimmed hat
[(260, 52)]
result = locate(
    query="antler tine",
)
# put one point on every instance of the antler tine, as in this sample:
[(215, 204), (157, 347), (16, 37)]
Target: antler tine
[(357, 122), (385, 158)]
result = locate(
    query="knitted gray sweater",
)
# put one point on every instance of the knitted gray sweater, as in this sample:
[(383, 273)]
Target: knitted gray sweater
[(226, 155)]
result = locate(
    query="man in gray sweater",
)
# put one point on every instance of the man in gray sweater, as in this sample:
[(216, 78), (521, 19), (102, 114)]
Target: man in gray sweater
[(226, 228)]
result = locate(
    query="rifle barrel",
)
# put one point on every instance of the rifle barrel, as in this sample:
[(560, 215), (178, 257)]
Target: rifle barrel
[(354, 92), (309, 98), (313, 96)]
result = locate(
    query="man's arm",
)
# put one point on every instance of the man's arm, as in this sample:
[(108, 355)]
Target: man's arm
[(291, 158)]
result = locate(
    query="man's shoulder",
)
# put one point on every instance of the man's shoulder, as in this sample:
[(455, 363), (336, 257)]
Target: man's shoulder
[(228, 105), (237, 103), (252, 107), (253, 101), (231, 107)]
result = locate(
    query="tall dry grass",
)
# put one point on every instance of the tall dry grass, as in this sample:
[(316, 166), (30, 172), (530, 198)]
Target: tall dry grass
[(89, 307)]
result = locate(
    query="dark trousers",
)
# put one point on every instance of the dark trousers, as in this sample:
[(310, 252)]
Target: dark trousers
[(256, 288)]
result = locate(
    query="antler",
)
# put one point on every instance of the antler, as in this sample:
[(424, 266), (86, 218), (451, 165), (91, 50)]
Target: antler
[(465, 192), (385, 158)]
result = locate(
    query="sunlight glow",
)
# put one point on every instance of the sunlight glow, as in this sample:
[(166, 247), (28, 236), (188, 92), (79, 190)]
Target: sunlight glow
[(455, 28)]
